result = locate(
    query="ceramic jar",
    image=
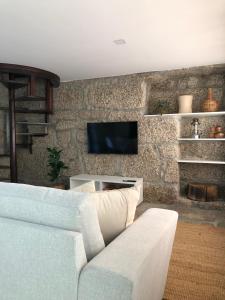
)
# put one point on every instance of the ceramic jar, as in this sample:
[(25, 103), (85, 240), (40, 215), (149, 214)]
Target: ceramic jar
[(210, 104), (216, 132), (185, 103), (218, 128), (219, 134), (212, 132)]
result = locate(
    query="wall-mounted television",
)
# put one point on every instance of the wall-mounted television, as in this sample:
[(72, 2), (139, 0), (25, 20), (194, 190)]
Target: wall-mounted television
[(113, 138)]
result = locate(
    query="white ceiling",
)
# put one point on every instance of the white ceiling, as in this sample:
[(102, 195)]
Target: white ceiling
[(74, 38)]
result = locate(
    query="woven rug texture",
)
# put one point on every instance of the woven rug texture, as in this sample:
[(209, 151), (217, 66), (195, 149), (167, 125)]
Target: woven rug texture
[(197, 266)]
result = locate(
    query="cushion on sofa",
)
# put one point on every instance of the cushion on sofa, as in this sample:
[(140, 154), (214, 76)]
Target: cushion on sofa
[(87, 187), (47, 206), (116, 210)]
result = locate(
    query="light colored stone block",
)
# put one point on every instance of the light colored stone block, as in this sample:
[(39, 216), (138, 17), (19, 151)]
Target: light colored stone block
[(160, 192), (115, 93), (171, 172), (63, 138), (158, 130), (146, 164)]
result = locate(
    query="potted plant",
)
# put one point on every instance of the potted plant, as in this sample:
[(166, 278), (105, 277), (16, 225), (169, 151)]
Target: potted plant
[(56, 166), (161, 107)]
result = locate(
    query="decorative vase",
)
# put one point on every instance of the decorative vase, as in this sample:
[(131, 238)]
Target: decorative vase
[(212, 131), (218, 128), (219, 134), (185, 103), (210, 104)]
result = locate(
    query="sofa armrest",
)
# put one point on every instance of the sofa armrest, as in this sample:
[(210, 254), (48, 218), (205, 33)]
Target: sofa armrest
[(39, 262), (135, 265)]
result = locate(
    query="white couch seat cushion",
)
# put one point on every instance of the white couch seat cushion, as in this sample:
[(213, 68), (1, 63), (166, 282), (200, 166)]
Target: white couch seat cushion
[(63, 209)]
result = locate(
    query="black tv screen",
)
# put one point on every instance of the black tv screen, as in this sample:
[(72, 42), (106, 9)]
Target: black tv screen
[(112, 138)]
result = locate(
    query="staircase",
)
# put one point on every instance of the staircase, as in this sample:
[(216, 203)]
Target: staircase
[(24, 105)]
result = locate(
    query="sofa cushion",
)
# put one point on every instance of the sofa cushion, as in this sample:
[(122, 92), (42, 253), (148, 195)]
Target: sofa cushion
[(87, 187), (116, 210), (52, 207)]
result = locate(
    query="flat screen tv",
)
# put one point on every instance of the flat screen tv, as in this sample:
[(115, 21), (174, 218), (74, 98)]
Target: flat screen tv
[(113, 138)]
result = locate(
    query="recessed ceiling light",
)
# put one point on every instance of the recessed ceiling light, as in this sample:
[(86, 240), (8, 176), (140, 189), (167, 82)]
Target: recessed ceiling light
[(119, 42)]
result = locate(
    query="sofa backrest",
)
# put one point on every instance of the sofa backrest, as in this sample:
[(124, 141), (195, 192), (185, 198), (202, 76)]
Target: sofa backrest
[(39, 262), (57, 208)]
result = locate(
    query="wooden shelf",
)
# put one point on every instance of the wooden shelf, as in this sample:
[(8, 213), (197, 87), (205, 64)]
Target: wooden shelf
[(31, 111), (24, 145), (17, 76), (4, 108), (34, 123), (30, 98), (13, 84), (25, 71), (4, 167), (194, 114), (202, 139), (31, 134), (4, 179), (195, 161)]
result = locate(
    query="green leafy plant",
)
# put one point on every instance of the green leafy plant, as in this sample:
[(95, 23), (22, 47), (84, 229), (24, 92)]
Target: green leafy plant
[(162, 107), (55, 164)]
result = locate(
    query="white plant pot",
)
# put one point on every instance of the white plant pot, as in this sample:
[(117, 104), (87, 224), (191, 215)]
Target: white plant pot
[(185, 103)]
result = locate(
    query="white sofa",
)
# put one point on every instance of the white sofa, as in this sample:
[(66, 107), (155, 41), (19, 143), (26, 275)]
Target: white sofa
[(51, 248)]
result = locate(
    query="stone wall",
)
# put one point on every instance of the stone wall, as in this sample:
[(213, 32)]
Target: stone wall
[(120, 99), (108, 99)]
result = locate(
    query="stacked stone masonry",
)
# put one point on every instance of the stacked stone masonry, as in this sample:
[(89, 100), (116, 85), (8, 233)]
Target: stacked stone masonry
[(129, 98)]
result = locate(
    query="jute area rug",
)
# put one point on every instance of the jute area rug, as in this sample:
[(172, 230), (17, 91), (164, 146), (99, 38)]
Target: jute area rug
[(197, 266)]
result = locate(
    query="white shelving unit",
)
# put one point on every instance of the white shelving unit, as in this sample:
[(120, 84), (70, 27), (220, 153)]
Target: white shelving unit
[(179, 117), (102, 180), (194, 114), (195, 161), (187, 139), (202, 139)]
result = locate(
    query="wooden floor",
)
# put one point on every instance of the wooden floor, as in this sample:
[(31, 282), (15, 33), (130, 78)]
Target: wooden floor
[(197, 266)]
